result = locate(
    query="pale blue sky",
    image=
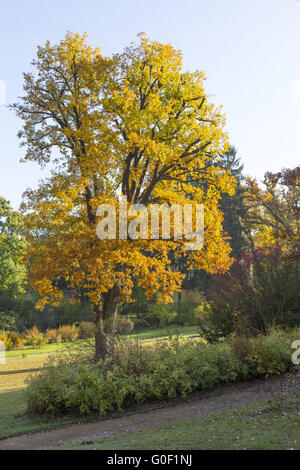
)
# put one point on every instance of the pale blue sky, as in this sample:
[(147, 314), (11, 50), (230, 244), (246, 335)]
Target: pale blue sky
[(249, 49)]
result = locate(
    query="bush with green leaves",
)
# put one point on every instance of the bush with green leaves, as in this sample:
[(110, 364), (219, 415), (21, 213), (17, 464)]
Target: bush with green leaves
[(260, 291), (138, 372), (186, 307), (74, 312), (207, 329), (86, 330), (160, 315), (139, 322)]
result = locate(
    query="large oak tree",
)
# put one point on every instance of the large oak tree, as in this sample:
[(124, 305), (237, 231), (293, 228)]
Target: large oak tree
[(134, 125)]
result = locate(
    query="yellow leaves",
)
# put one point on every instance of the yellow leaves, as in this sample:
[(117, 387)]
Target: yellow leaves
[(49, 293), (133, 125), (264, 237), (274, 211)]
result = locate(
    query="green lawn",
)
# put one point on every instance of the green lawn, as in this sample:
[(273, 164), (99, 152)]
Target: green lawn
[(148, 333), (48, 348), (143, 334), (266, 425), (13, 419), (14, 372)]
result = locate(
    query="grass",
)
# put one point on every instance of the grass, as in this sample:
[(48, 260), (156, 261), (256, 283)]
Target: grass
[(14, 372), (144, 334), (14, 420), (264, 426), (13, 417), (48, 348), (149, 333)]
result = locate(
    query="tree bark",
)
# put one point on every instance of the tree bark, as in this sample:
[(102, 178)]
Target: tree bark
[(105, 319), (110, 309)]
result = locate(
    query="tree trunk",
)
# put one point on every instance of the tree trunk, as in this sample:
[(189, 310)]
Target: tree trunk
[(110, 309), (105, 319)]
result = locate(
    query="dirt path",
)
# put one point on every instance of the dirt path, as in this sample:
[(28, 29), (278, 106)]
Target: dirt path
[(148, 416)]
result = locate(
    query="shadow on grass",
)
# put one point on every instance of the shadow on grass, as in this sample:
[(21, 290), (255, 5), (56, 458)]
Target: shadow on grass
[(21, 371)]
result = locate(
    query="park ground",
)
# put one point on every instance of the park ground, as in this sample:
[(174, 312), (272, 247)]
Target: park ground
[(263, 414)]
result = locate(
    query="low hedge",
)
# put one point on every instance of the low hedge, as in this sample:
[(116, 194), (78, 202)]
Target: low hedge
[(137, 373)]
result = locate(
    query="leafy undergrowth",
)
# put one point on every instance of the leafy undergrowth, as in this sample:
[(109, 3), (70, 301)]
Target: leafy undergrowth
[(268, 425), (136, 373)]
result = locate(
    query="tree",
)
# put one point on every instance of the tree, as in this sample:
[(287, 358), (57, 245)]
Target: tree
[(12, 247), (234, 207), (12, 271), (251, 304), (235, 223), (134, 125), (275, 210)]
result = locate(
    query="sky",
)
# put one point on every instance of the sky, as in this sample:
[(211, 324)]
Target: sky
[(249, 50)]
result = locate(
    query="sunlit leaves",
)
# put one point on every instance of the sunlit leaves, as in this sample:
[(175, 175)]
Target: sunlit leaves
[(135, 125)]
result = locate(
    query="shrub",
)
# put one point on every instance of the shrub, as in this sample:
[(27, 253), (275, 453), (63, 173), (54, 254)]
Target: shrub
[(139, 322), (270, 354), (11, 339), (124, 326), (160, 315), (187, 306), (68, 332), (207, 328), (260, 291), (16, 339), (86, 330), (137, 373), (6, 340), (35, 338), (53, 336)]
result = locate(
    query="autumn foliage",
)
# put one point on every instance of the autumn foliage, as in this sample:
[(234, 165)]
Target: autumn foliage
[(134, 125)]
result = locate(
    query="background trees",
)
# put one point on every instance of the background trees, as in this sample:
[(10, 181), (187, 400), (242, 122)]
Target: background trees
[(275, 209), (261, 289), (12, 245), (234, 206), (12, 272)]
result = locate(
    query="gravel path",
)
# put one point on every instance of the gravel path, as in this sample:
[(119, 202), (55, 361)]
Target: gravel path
[(149, 416)]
